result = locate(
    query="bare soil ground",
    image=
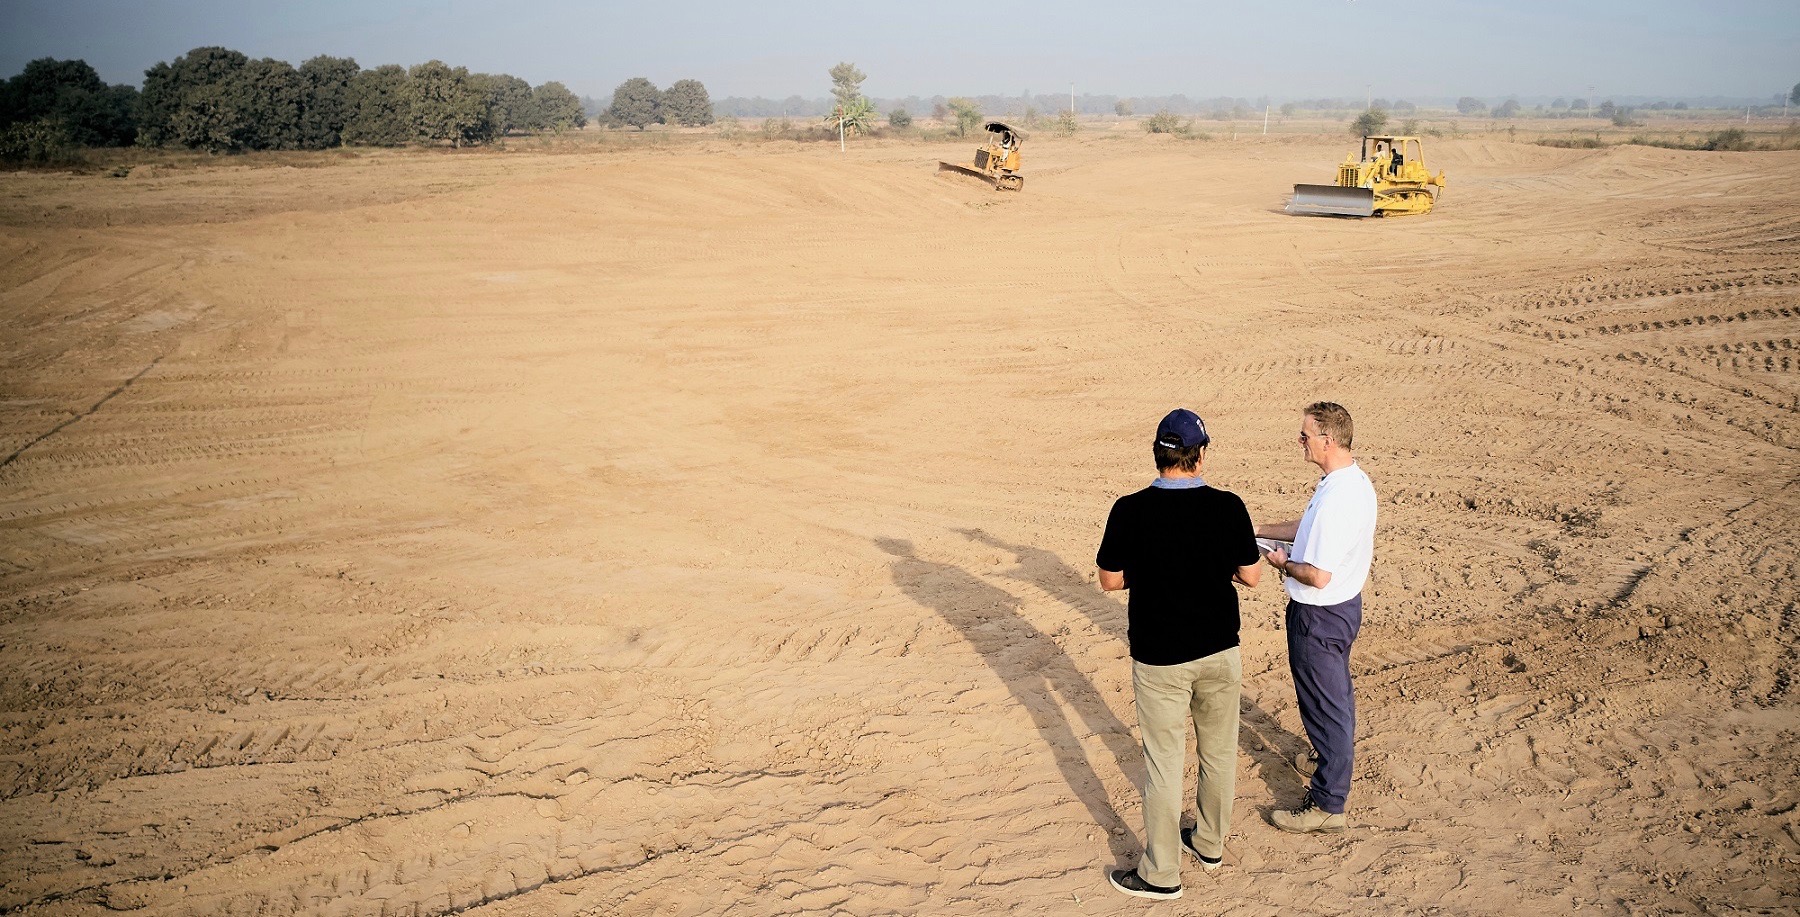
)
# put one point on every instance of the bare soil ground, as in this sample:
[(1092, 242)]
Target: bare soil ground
[(710, 530)]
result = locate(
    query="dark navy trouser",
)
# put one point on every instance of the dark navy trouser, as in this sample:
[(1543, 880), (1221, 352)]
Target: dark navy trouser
[(1319, 638)]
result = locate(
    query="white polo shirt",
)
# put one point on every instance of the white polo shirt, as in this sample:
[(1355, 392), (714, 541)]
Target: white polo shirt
[(1337, 535)]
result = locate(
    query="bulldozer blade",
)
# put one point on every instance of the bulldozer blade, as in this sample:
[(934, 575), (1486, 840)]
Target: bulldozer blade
[(970, 171), (1332, 200)]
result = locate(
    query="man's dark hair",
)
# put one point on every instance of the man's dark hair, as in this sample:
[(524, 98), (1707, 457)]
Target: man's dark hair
[(1168, 457), (1333, 421)]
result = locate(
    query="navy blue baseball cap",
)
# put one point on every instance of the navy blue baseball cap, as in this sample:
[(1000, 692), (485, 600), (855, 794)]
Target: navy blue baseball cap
[(1182, 429)]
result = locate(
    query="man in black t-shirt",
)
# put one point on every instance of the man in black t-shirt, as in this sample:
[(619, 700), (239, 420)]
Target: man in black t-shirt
[(1178, 545)]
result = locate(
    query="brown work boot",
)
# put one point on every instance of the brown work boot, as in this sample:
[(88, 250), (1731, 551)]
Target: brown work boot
[(1308, 819)]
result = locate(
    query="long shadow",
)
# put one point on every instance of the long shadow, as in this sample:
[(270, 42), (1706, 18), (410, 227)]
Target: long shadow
[(1041, 677), (1260, 735)]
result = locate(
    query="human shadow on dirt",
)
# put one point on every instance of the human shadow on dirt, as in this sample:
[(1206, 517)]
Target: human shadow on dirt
[(1271, 746), (1041, 677)]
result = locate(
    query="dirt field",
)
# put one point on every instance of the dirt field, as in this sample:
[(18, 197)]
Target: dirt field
[(710, 529)]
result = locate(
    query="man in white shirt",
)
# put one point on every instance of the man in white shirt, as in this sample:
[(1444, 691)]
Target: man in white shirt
[(1334, 544)]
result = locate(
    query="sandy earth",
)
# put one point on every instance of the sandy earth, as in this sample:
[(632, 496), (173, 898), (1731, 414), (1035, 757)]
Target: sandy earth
[(709, 529)]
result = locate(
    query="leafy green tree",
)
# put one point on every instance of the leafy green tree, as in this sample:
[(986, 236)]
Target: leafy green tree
[(1794, 95), (1122, 108), (1469, 105), (209, 119), (224, 102), (555, 108), (967, 113), (183, 92), (328, 100), (507, 100), (271, 95), (380, 114), (445, 103), (899, 118), (1606, 109), (71, 94), (1578, 105), (687, 104), (1507, 109), (1369, 123), (1560, 103), (846, 83), (637, 102)]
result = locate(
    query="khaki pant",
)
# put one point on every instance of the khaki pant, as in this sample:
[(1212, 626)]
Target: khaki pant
[(1207, 689)]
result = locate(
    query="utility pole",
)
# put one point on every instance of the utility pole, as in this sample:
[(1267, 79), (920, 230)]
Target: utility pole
[(1071, 98), (1265, 120)]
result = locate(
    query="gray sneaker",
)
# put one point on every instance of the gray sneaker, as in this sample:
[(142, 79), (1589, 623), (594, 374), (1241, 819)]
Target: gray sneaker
[(1307, 763), (1207, 863), (1308, 818)]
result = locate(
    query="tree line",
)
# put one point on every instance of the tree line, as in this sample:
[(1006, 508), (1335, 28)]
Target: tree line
[(638, 103), (219, 100)]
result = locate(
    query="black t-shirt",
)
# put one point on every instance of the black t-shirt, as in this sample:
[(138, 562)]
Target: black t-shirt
[(1178, 549)]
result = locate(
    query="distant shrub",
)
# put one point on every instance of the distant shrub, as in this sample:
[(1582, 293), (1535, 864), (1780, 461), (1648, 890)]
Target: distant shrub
[(899, 118), (40, 142), (777, 127), (1410, 127), (1066, 125), (1166, 122), (1733, 140), (1369, 122), (968, 115), (1573, 143)]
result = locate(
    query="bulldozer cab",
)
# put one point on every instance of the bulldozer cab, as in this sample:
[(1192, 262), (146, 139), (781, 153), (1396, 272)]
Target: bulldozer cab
[(1393, 152), (1004, 137)]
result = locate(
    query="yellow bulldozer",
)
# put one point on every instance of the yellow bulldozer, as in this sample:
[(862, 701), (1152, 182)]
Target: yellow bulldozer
[(997, 161), (1386, 177)]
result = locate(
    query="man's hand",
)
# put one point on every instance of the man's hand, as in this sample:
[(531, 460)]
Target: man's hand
[(1305, 574), (1112, 580)]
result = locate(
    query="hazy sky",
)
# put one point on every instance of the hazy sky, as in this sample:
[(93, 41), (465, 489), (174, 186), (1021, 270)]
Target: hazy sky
[(1279, 48)]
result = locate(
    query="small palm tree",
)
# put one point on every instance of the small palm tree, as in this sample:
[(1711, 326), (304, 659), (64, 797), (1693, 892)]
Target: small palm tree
[(856, 116)]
